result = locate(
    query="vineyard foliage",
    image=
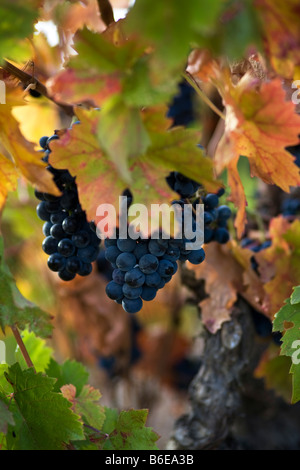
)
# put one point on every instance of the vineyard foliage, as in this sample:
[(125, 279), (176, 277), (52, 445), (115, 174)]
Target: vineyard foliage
[(119, 79)]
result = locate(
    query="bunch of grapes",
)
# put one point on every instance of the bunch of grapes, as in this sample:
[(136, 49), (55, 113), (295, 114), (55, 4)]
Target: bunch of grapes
[(182, 109), (290, 207), (215, 216), (138, 267), (143, 266), (71, 241)]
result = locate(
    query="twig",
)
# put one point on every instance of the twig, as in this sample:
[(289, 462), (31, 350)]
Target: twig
[(202, 95), (106, 11), (28, 80), (22, 346)]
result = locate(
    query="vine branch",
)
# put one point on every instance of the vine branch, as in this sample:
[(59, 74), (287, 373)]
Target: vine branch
[(202, 95), (106, 11), (28, 80), (22, 346)]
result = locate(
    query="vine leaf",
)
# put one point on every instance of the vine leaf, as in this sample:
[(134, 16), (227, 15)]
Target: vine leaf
[(282, 34), (22, 152), (279, 265), (56, 425), (127, 431), (86, 404), (8, 178), (18, 24), (122, 134), (295, 297), (100, 180), (172, 27), (287, 320), (70, 372), (259, 124), (15, 309), (6, 417)]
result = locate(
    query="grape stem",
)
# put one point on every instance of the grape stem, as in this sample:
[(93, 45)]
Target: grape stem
[(29, 81), (202, 95), (22, 346)]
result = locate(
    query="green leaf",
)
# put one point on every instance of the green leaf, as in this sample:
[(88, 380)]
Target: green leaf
[(6, 417), (70, 372), (287, 320), (114, 65), (44, 418), (172, 26), (295, 297), (17, 19), (127, 431), (122, 134), (238, 29), (5, 387), (86, 404), (15, 309)]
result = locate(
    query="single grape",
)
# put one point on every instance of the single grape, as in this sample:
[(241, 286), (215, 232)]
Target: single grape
[(153, 280), (196, 256), (126, 245), (43, 141), (126, 261), (221, 235), (42, 211), (71, 224), (135, 277), (56, 262), (112, 253), (66, 275), (155, 248), (46, 228), (81, 239), (50, 245), (165, 268), (66, 247), (88, 254), (141, 250), (132, 292), (118, 276), (148, 293), (132, 306), (73, 264), (57, 231), (114, 291), (86, 269), (211, 201), (69, 200), (58, 217), (148, 264)]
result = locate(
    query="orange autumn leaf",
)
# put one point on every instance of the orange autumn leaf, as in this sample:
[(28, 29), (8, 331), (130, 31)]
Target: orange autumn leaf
[(222, 275), (259, 124), (279, 265), (201, 65), (282, 33), (21, 151), (8, 178)]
